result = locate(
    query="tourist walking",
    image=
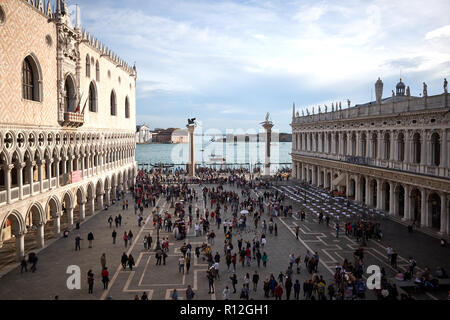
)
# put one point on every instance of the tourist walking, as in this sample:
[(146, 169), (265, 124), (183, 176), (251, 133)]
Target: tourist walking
[(90, 276), (234, 282), (77, 243), (255, 280), (131, 262), (226, 293), (125, 239), (114, 235), (296, 290), (105, 278), (124, 260), (190, 293), (264, 259), (90, 238), (103, 261)]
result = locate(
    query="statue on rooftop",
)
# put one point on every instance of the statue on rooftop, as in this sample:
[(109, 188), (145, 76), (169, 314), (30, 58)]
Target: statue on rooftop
[(445, 85), (408, 92), (348, 103), (425, 91), (326, 108)]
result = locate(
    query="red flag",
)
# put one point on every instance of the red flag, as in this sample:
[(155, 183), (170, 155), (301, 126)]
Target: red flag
[(78, 108), (84, 106)]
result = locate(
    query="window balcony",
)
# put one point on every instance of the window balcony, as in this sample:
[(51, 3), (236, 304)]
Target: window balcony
[(72, 119)]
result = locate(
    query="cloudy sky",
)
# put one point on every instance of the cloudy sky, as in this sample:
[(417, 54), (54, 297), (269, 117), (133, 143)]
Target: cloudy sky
[(227, 63)]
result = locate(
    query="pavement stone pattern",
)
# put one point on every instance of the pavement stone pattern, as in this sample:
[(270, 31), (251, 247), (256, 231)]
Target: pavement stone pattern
[(159, 281)]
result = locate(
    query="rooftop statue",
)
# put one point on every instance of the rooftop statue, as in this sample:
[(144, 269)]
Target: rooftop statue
[(326, 108), (445, 85), (348, 103), (267, 116), (425, 91), (408, 92)]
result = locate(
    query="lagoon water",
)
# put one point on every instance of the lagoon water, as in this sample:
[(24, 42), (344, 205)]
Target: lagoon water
[(236, 153)]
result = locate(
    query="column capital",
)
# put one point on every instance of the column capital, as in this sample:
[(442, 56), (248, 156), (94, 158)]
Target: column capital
[(10, 166)]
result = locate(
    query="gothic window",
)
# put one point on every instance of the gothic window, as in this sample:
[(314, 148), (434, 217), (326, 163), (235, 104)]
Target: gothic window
[(416, 148), (435, 150), (97, 71), (70, 95), (92, 98), (88, 66), (31, 82), (113, 104), (127, 108)]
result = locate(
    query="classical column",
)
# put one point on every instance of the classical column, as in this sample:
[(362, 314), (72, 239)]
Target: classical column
[(114, 194), (308, 174), (294, 141), (391, 198), (108, 197), (100, 201), (358, 144), (423, 147), (40, 235), (380, 146), (368, 192), (58, 223), (358, 189), (8, 182), (379, 204), (57, 171), (407, 215), (267, 125), (408, 148), (191, 128), (394, 143), (314, 175), (20, 246), (70, 216), (41, 175), (443, 160), (423, 208), (82, 208), (92, 205), (20, 179), (30, 175), (347, 185), (49, 173), (443, 213)]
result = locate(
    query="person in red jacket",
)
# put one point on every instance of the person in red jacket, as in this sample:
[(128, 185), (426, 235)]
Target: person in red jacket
[(278, 292)]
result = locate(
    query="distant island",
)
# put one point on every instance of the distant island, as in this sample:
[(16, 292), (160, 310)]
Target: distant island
[(282, 137)]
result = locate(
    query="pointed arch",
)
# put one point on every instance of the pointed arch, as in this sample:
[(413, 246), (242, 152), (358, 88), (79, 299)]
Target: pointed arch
[(31, 78)]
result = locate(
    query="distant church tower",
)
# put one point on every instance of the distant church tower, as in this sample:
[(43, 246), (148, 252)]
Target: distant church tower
[(379, 90)]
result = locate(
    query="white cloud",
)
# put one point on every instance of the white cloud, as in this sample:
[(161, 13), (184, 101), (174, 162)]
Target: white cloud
[(442, 32)]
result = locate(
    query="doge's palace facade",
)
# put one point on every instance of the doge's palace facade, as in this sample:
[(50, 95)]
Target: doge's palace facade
[(391, 154), (67, 124)]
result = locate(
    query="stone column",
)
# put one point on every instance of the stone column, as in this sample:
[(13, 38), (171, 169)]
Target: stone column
[(114, 188), (443, 213), (57, 172), (308, 174), (58, 223), (20, 246), (191, 128), (368, 192), (294, 141), (49, 173), (108, 197), (20, 179), (380, 146), (8, 182), (41, 175), (358, 189), (379, 204), (40, 235), (391, 198), (423, 147), (100, 201), (31, 176), (407, 216), (82, 208), (394, 145), (314, 175), (70, 216), (443, 160), (408, 156), (267, 125), (423, 208), (358, 144), (92, 205)]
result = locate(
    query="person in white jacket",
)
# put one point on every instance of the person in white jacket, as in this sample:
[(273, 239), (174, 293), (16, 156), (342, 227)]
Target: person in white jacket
[(226, 293)]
